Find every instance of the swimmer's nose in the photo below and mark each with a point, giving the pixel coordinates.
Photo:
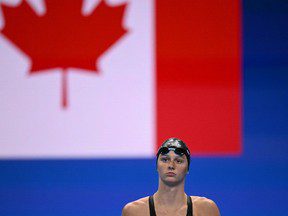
(171, 165)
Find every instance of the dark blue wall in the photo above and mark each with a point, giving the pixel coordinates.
(255, 183)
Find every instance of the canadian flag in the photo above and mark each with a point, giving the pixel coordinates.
(115, 78)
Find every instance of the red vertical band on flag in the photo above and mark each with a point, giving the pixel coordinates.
(198, 64)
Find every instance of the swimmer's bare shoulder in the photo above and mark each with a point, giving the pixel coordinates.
(139, 207)
(203, 206)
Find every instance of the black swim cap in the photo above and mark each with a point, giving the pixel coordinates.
(176, 145)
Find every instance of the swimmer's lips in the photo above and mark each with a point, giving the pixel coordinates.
(170, 174)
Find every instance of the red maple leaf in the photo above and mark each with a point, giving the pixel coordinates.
(63, 37)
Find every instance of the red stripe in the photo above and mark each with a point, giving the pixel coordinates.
(198, 63)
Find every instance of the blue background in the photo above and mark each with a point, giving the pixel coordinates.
(254, 183)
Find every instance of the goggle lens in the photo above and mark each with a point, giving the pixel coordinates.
(178, 151)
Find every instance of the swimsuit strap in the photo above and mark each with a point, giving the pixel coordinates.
(151, 206)
(189, 206)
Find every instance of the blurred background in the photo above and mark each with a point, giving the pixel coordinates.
(80, 138)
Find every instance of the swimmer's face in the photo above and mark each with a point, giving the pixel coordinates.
(172, 168)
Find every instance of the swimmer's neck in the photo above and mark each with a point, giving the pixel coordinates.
(170, 196)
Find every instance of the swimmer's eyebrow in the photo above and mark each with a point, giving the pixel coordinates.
(176, 157)
(179, 156)
(164, 155)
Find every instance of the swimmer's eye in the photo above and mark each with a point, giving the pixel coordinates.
(163, 159)
(179, 161)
